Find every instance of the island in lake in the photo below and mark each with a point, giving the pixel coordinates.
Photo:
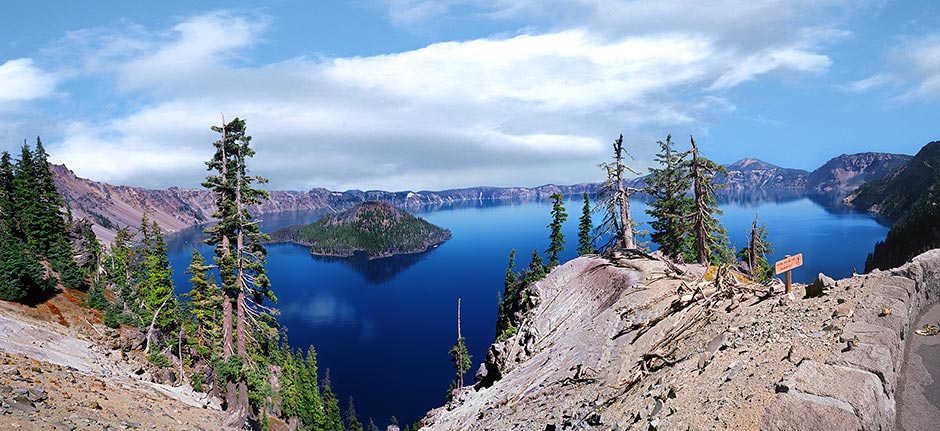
(376, 229)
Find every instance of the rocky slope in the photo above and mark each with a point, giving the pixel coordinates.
(628, 344)
(754, 174)
(61, 369)
(842, 174)
(894, 194)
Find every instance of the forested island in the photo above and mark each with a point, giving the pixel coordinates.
(376, 229)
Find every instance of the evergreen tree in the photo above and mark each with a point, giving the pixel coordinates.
(331, 406)
(206, 301)
(556, 237)
(759, 247)
(240, 257)
(504, 326)
(585, 243)
(7, 194)
(459, 356)
(351, 419)
(711, 238)
(21, 273)
(373, 426)
(671, 208)
(156, 278)
(312, 412)
(535, 271)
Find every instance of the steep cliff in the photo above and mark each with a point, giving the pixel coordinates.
(627, 344)
(844, 173)
(754, 174)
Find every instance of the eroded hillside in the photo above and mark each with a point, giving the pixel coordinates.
(630, 344)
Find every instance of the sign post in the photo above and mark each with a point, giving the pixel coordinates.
(786, 265)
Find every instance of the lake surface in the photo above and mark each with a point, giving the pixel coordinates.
(384, 327)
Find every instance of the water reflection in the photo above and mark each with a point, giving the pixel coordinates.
(376, 271)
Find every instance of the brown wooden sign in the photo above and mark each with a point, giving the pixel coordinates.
(788, 263)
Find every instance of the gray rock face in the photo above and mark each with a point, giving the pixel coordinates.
(856, 387)
(819, 287)
(164, 376)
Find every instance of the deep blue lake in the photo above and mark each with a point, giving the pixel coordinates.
(384, 327)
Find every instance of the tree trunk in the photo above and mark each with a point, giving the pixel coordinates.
(701, 231)
(153, 323)
(623, 200)
(752, 248)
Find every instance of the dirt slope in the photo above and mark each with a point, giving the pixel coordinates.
(53, 376)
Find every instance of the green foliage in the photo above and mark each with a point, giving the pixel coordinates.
(506, 302)
(585, 242)
(33, 226)
(198, 379)
(96, 298)
(917, 231)
(535, 271)
(712, 245)
(113, 317)
(556, 238)
(21, 273)
(506, 333)
(331, 406)
(762, 270)
(462, 362)
(159, 360)
(670, 207)
(351, 418)
(374, 228)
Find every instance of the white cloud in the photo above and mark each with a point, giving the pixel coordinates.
(21, 81)
(916, 62)
(864, 85)
(525, 109)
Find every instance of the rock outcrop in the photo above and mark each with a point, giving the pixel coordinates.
(625, 344)
(844, 173)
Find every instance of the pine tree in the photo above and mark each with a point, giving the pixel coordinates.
(671, 208)
(535, 271)
(711, 238)
(556, 237)
(351, 419)
(617, 223)
(459, 356)
(507, 301)
(240, 257)
(21, 273)
(311, 405)
(759, 247)
(585, 243)
(331, 406)
(205, 300)
(373, 426)
(7, 194)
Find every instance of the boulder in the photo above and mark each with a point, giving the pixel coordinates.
(164, 376)
(819, 287)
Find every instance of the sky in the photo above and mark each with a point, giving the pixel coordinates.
(437, 94)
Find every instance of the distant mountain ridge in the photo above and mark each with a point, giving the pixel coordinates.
(909, 195)
(112, 207)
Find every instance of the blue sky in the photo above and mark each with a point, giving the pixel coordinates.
(433, 94)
